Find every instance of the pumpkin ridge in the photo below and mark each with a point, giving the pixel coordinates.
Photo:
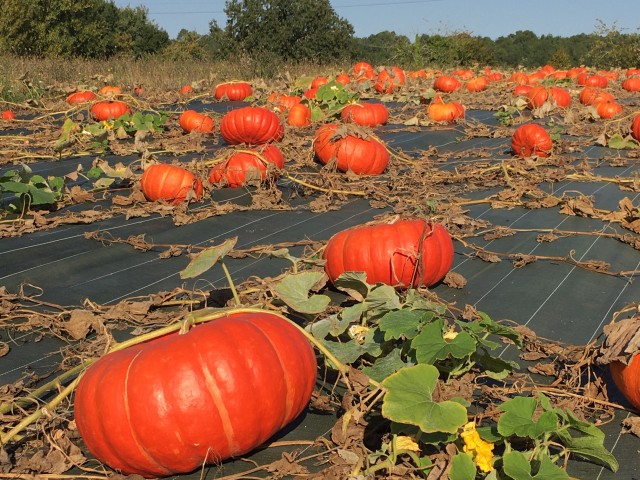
(143, 451)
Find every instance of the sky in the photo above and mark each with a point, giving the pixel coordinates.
(487, 18)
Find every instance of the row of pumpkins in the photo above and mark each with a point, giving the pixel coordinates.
(174, 403)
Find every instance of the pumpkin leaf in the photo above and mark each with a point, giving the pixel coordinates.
(401, 324)
(430, 344)
(385, 366)
(294, 291)
(462, 467)
(409, 399)
(207, 258)
(353, 284)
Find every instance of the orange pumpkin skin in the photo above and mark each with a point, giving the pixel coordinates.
(251, 125)
(172, 404)
(192, 121)
(363, 70)
(365, 114)
(632, 84)
(8, 115)
(186, 90)
(233, 91)
(537, 96)
(478, 84)
(531, 139)
(317, 82)
(635, 127)
(560, 96)
(243, 167)
(446, 84)
(110, 90)
(627, 379)
(389, 79)
(404, 254)
(608, 110)
(82, 96)
(299, 115)
(522, 90)
(593, 95)
(109, 109)
(343, 79)
(440, 111)
(362, 156)
(169, 182)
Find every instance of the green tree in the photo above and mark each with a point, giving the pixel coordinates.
(384, 48)
(612, 48)
(289, 29)
(68, 28)
(188, 45)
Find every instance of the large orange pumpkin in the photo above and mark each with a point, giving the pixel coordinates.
(109, 109)
(299, 115)
(440, 111)
(389, 79)
(635, 127)
(531, 139)
(632, 84)
(608, 110)
(247, 166)
(351, 148)
(251, 125)
(192, 121)
(406, 253)
(82, 96)
(170, 405)
(365, 114)
(627, 379)
(446, 83)
(169, 182)
(233, 91)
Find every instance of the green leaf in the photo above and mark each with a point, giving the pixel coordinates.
(431, 346)
(385, 366)
(516, 466)
(618, 141)
(350, 351)
(550, 471)
(462, 467)
(383, 297)
(517, 418)
(353, 284)
(409, 399)
(495, 367)
(294, 290)
(207, 258)
(40, 196)
(400, 324)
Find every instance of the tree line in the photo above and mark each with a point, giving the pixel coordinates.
(276, 31)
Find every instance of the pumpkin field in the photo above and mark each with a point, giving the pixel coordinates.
(358, 273)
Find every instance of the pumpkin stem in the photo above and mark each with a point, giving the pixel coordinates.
(232, 286)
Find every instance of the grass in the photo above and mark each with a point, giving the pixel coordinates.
(22, 78)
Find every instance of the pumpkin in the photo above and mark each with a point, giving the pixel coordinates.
(630, 72)
(233, 91)
(446, 84)
(299, 115)
(522, 90)
(351, 148)
(281, 102)
(389, 79)
(365, 114)
(440, 111)
(560, 96)
(245, 167)
(635, 127)
(8, 115)
(319, 81)
(192, 121)
(593, 95)
(310, 92)
(593, 81)
(251, 125)
(363, 70)
(186, 90)
(82, 96)
(170, 183)
(531, 139)
(537, 96)
(343, 79)
(172, 404)
(632, 84)
(109, 109)
(463, 73)
(608, 110)
(110, 91)
(478, 84)
(406, 253)
(627, 379)
(519, 78)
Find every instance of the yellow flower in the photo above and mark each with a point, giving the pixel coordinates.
(358, 333)
(481, 451)
(406, 443)
(450, 334)
(107, 125)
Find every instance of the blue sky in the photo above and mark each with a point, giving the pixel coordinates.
(491, 18)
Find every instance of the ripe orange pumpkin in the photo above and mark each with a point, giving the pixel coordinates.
(233, 91)
(635, 127)
(109, 109)
(82, 96)
(363, 70)
(172, 404)
(440, 111)
(404, 254)
(627, 379)
(593, 95)
(8, 115)
(170, 183)
(366, 114)
(608, 110)
(245, 167)
(477, 84)
(299, 115)
(560, 96)
(319, 81)
(389, 79)
(519, 78)
(522, 90)
(343, 79)
(537, 96)
(186, 90)
(251, 125)
(110, 91)
(352, 149)
(192, 121)
(632, 84)
(531, 139)
(446, 84)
